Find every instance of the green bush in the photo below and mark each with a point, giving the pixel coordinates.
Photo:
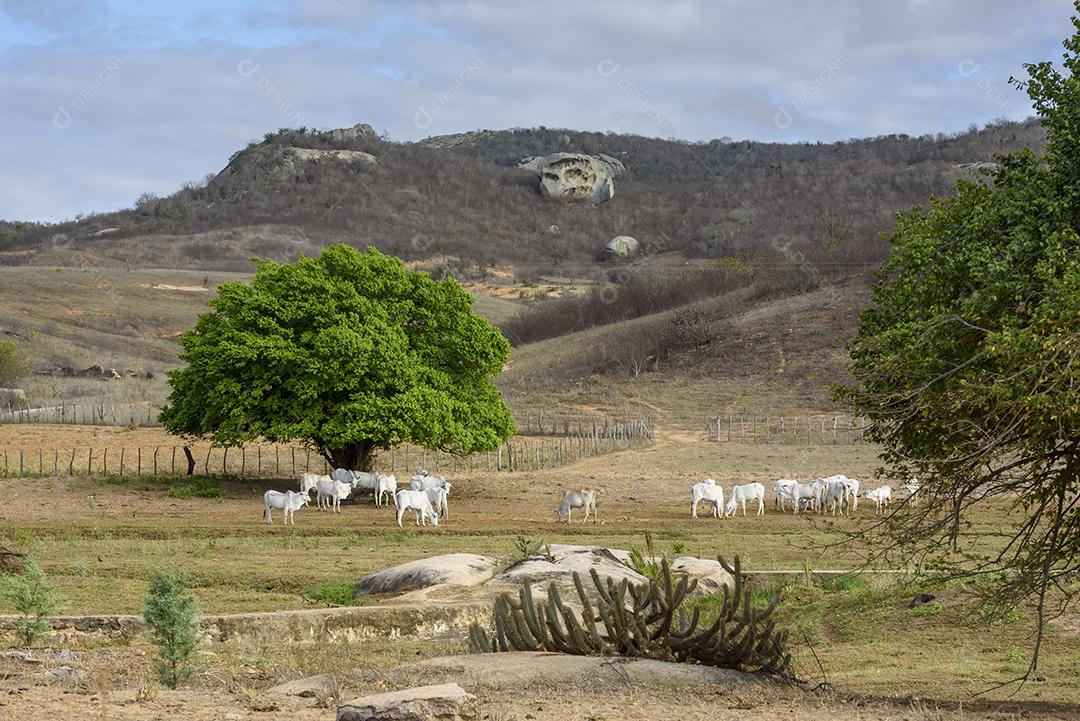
(13, 365)
(173, 617)
(334, 593)
(33, 598)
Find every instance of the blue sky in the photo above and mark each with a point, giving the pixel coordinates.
(105, 99)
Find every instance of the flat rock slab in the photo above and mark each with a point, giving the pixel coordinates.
(321, 686)
(520, 669)
(444, 702)
(454, 569)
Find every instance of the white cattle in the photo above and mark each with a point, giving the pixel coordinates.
(782, 492)
(364, 480)
(806, 494)
(882, 497)
(438, 497)
(288, 503)
(709, 492)
(582, 498)
(741, 494)
(330, 493)
(912, 488)
(852, 495)
(308, 481)
(386, 485)
(833, 494)
(424, 482)
(418, 502)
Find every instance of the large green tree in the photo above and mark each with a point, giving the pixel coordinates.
(968, 366)
(350, 352)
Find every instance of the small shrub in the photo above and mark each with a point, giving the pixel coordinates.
(173, 617)
(33, 598)
(647, 563)
(334, 593)
(526, 547)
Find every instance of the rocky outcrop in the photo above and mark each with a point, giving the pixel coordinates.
(360, 131)
(322, 686)
(564, 561)
(445, 702)
(452, 569)
(260, 164)
(575, 176)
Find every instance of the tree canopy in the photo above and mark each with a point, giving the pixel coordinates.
(349, 351)
(968, 364)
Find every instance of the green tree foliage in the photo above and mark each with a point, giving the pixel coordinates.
(349, 351)
(968, 364)
(13, 365)
(33, 598)
(173, 617)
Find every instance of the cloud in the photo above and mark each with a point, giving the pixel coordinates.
(103, 102)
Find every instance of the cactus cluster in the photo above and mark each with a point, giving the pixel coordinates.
(644, 621)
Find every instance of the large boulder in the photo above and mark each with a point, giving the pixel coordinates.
(621, 246)
(322, 686)
(445, 702)
(560, 568)
(576, 176)
(710, 575)
(452, 569)
(360, 131)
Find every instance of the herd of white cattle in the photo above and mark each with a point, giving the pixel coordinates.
(427, 496)
(838, 494)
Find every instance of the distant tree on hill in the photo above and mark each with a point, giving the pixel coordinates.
(968, 366)
(350, 352)
(13, 365)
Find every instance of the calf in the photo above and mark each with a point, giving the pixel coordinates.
(709, 492)
(288, 502)
(882, 497)
(419, 502)
(583, 498)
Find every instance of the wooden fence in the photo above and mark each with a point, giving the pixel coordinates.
(263, 460)
(809, 430)
(84, 414)
(532, 422)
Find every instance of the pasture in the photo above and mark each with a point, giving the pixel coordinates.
(98, 538)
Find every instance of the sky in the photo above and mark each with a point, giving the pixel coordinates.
(103, 100)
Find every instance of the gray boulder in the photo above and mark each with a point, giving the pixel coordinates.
(445, 702)
(455, 569)
(710, 575)
(621, 246)
(360, 131)
(575, 176)
(322, 686)
(565, 560)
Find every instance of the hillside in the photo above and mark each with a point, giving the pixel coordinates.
(462, 198)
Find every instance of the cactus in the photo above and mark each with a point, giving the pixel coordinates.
(644, 621)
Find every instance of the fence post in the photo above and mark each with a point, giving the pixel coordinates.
(105, 461)
(121, 460)
(90, 461)
(20, 462)
(138, 466)
(156, 449)
(172, 470)
(71, 464)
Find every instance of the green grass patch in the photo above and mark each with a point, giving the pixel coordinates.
(197, 487)
(334, 593)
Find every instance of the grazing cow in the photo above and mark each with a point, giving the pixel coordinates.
(709, 492)
(364, 480)
(424, 481)
(308, 481)
(852, 495)
(331, 493)
(386, 485)
(882, 497)
(419, 502)
(288, 503)
(834, 493)
(583, 498)
(741, 494)
(805, 495)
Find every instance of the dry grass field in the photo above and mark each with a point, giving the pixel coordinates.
(99, 541)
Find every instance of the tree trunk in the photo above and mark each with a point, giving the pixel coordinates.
(190, 461)
(354, 456)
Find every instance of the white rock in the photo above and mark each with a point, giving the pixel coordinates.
(457, 569)
(445, 702)
(321, 686)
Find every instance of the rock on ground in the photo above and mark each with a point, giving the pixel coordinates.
(566, 560)
(321, 686)
(710, 575)
(455, 569)
(445, 702)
